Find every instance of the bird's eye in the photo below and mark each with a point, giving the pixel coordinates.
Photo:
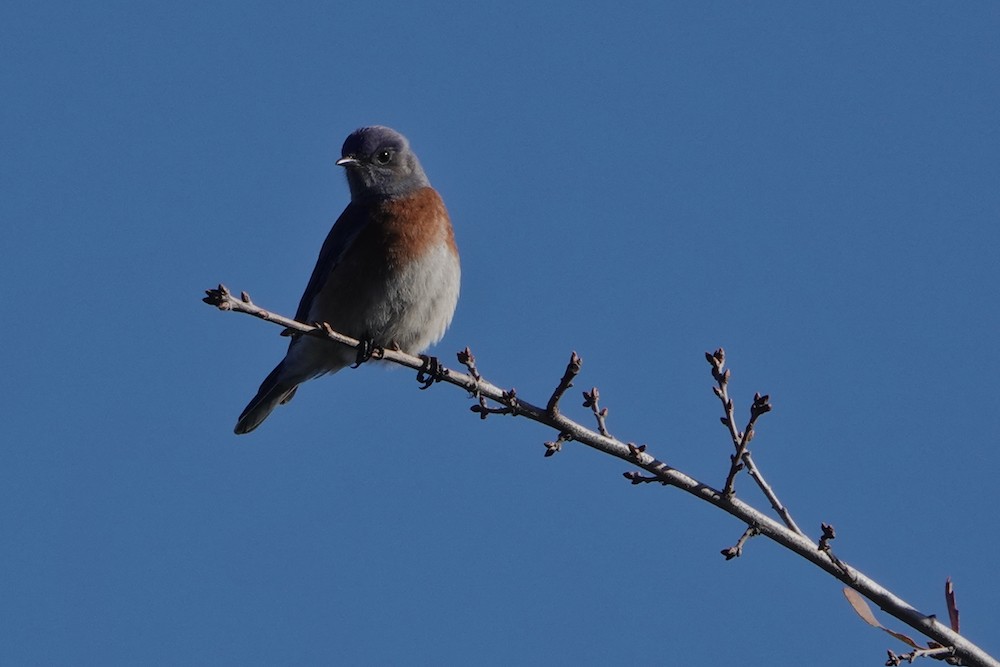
(383, 157)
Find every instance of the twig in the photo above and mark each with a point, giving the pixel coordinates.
(508, 399)
(590, 400)
(736, 550)
(828, 534)
(742, 457)
(556, 446)
(662, 472)
(824, 546)
(467, 359)
(938, 653)
(572, 370)
(639, 478)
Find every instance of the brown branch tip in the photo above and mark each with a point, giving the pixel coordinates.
(218, 297)
(736, 550)
(828, 534)
(591, 399)
(556, 446)
(639, 478)
(572, 370)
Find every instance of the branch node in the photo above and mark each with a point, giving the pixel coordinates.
(761, 405)
(639, 478)
(824, 545)
(829, 533)
(636, 450)
(218, 297)
(556, 446)
(510, 397)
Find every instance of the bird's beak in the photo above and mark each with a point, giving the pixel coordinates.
(347, 162)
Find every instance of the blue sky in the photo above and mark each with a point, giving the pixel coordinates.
(813, 187)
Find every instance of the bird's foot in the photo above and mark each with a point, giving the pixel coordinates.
(432, 371)
(366, 350)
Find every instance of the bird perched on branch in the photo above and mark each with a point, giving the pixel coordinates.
(388, 273)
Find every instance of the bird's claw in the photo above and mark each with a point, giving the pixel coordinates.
(432, 371)
(366, 350)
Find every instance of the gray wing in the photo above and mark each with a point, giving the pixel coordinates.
(340, 238)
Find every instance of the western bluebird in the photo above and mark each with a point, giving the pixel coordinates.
(388, 272)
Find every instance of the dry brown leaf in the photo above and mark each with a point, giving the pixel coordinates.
(862, 609)
(949, 597)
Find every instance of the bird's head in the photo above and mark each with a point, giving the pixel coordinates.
(380, 164)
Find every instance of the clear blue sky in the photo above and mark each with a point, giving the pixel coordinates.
(813, 187)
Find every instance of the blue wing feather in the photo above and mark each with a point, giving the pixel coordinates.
(340, 238)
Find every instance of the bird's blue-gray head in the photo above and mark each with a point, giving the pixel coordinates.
(380, 164)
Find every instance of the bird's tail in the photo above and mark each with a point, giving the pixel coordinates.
(275, 390)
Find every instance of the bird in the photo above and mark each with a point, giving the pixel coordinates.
(388, 273)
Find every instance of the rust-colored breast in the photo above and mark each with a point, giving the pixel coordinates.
(397, 232)
(410, 226)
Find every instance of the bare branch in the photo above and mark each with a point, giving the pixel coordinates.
(792, 539)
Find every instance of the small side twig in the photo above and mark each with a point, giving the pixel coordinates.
(636, 450)
(639, 478)
(467, 359)
(742, 457)
(509, 398)
(824, 545)
(736, 550)
(572, 370)
(556, 445)
(509, 401)
(761, 405)
(936, 652)
(829, 533)
(590, 400)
